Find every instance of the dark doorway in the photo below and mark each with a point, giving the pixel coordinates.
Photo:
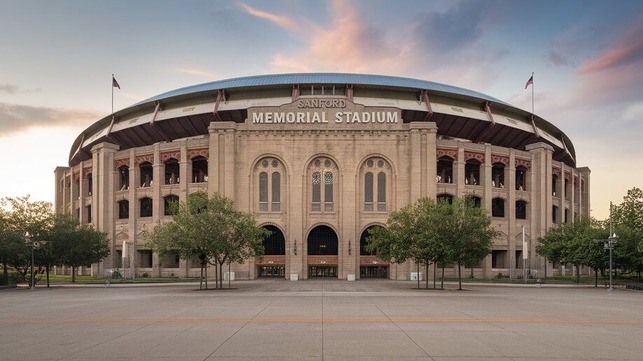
(322, 241)
(373, 271)
(322, 271)
(272, 271)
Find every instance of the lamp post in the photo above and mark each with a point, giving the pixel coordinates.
(609, 244)
(31, 244)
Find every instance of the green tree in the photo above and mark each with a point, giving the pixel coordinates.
(435, 232)
(627, 219)
(466, 231)
(18, 216)
(75, 244)
(211, 230)
(579, 243)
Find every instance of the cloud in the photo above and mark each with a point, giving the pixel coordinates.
(634, 113)
(626, 51)
(16, 117)
(196, 71)
(348, 43)
(9, 89)
(282, 21)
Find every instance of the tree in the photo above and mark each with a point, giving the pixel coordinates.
(627, 219)
(71, 243)
(211, 230)
(579, 243)
(435, 232)
(467, 232)
(17, 217)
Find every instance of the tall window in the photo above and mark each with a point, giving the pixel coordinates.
(521, 210)
(322, 172)
(444, 197)
(199, 169)
(123, 177)
(172, 171)
(375, 178)
(521, 178)
(554, 185)
(123, 209)
(445, 170)
(147, 175)
(269, 170)
(472, 172)
(146, 207)
(90, 184)
(498, 175)
(497, 207)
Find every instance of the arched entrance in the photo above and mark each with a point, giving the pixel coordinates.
(273, 263)
(370, 266)
(322, 252)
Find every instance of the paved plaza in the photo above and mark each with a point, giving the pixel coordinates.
(321, 320)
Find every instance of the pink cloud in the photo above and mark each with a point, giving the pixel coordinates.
(282, 21)
(626, 51)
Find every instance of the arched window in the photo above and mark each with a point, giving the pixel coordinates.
(498, 175)
(375, 189)
(363, 241)
(322, 172)
(322, 241)
(521, 209)
(199, 169)
(275, 243)
(445, 170)
(521, 178)
(147, 175)
(474, 201)
(472, 172)
(444, 197)
(123, 209)
(172, 171)
(123, 177)
(554, 185)
(269, 175)
(497, 207)
(146, 207)
(170, 205)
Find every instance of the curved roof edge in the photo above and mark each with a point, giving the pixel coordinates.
(320, 78)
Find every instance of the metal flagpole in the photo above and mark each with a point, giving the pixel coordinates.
(112, 83)
(532, 94)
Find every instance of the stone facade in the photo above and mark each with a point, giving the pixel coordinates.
(321, 172)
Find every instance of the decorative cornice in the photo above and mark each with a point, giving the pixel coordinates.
(451, 153)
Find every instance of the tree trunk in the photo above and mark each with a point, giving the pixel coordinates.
(459, 276)
(577, 274)
(73, 274)
(201, 280)
(442, 279)
(221, 273)
(5, 272)
(206, 274)
(596, 277)
(435, 274)
(47, 270)
(426, 275)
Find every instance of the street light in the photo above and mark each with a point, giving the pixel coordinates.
(28, 240)
(609, 244)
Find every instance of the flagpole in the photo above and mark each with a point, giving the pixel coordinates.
(532, 94)
(112, 86)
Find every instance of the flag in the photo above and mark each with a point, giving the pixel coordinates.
(115, 83)
(529, 82)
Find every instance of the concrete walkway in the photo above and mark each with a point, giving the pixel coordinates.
(320, 320)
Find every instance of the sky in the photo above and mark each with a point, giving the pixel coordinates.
(57, 59)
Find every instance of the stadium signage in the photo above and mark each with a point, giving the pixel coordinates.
(323, 111)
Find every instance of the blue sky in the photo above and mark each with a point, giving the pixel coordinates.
(58, 56)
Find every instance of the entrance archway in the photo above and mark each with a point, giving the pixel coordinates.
(322, 252)
(273, 263)
(370, 266)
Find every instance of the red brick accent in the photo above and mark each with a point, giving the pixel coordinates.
(318, 260)
(451, 153)
(198, 152)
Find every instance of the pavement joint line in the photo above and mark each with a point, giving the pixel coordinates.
(322, 321)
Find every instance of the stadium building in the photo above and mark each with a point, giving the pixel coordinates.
(319, 159)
